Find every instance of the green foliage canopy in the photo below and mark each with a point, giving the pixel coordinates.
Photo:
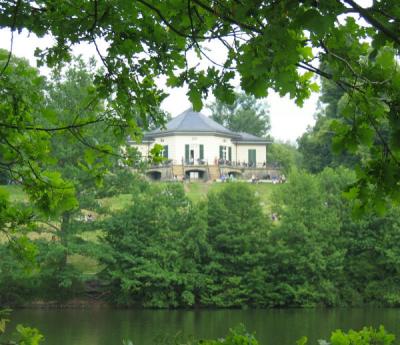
(185, 255)
(237, 231)
(162, 251)
(142, 264)
(245, 114)
(285, 155)
(25, 150)
(268, 45)
(320, 254)
(316, 143)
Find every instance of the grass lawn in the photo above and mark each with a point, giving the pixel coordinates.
(92, 236)
(264, 191)
(197, 191)
(117, 203)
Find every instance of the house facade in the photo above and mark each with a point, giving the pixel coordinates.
(197, 147)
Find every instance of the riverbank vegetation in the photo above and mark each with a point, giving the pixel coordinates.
(235, 336)
(239, 336)
(297, 245)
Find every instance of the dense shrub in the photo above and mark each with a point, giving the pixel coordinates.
(319, 253)
(54, 278)
(165, 252)
(15, 278)
(142, 264)
(237, 234)
(239, 336)
(45, 278)
(122, 181)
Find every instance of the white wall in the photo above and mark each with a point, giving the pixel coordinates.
(243, 152)
(143, 149)
(176, 148)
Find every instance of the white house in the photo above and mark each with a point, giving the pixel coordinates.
(197, 146)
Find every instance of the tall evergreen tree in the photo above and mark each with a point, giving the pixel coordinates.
(237, 230)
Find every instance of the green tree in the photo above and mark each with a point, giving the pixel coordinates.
(318, 253)
(25, 157)
(195, 253)
(58, 139)
(316, 144)
(285, 155)
(237, 230)
(245, 114)
(24, 149)
(81, 155)
(142, 259)
(303, 258)
(164, 252)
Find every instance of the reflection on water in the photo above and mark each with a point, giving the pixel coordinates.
(272, 327)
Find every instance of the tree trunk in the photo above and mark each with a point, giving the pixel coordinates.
(65, 223)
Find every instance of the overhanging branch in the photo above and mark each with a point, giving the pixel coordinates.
(54, 129)
(373, 21)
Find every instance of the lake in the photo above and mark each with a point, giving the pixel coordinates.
(272, 327)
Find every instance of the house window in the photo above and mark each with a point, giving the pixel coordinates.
(165, 151)
(201, 151)
(252, 158)
(222, 153)
(194, 154)
(225, 154)
(191, 153)
(187, 153)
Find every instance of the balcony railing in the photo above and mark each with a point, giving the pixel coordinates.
(194, 162)
(226, 163)
(220, 162)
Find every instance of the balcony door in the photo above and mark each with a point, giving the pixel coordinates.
(194, 154)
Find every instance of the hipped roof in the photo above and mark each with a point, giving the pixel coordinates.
(192, 122)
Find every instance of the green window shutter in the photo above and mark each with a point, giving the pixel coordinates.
(187, 153)
(201, 151)
(165, 151)
(221, 153)
(252, 157)
(230, 154)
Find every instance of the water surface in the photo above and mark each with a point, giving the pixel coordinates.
(272, 327)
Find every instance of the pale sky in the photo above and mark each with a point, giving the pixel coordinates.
(288, 121)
